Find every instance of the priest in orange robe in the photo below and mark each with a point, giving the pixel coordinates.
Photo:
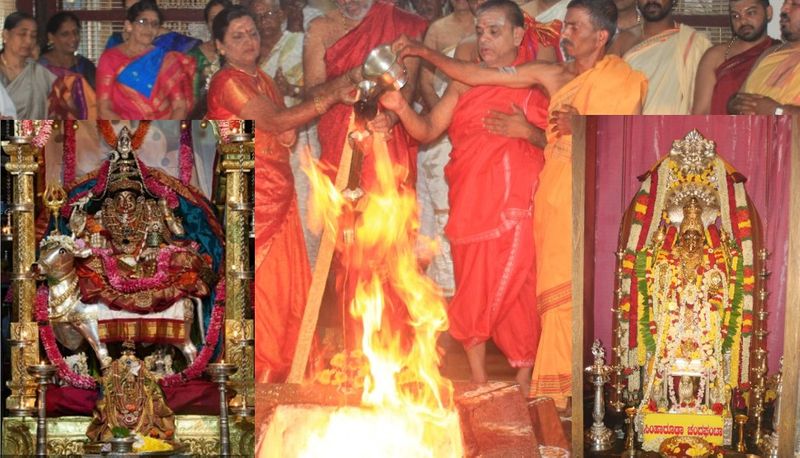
(492, 179)
(592, 84)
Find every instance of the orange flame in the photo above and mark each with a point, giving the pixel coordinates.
(405, 395)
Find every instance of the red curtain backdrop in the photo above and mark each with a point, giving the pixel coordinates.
(759, 147)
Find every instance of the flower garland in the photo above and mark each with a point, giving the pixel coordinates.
(194, 370)
(729, 317)
(51, 349)
(152, 184)
(127, 285)
(186, 156)
(742, 229)
(42, 136)
(110, 137)
(69, 152)
(155, 186)
(197, 367)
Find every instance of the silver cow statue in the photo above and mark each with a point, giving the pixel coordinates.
(71, 318)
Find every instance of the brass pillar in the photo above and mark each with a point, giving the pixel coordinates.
(238, 165)
(24, 339)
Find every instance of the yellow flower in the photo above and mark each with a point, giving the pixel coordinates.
(338, 378)
(338, 360)
(324, 377)
(151, 444)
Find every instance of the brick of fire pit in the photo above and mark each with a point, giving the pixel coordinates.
(495, 421)
(547, 424)
(270, 395)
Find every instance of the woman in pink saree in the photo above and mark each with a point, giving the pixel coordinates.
(137, 80)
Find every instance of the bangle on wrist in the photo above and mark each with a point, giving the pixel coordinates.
(319, 105)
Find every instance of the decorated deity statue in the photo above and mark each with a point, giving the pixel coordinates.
(141, 266)
(688, 297)
(131, 220)
(131, 398)
(685, 293)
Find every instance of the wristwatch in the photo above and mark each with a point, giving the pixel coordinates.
(778, 110)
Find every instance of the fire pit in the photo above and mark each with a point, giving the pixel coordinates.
(492, 421)
(406, 407)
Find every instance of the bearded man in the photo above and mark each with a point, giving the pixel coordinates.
(724, 67)
(773, 86)
(668, 53)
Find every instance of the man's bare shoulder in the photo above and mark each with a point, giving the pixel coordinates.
(442, 24)
(323, 24)
(437, 29)
(715, 55)
(545, 71)
(467, 49)
(624, 41)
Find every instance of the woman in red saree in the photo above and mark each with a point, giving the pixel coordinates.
(240, 90)
(137, 80)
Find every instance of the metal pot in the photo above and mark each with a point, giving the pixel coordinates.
(367, 89)
(122, 445)
(383, 67)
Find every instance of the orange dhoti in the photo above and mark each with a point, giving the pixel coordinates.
(553, 223)
(610, 87)
(492, 179)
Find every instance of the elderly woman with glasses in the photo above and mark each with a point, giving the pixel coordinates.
(165, 38)
(138, 80)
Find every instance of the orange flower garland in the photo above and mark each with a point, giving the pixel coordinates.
(107, 131)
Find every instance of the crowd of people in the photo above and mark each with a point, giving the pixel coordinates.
(150, 72)
(482, 128)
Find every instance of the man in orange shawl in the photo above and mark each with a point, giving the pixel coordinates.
(492, 178)
(336, 46)
(592, 84)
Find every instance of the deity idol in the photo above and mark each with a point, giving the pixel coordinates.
(688, 291)
(142, 267)
(685, 291)
(131, 399)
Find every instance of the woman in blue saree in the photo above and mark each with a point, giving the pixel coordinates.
(138, 80)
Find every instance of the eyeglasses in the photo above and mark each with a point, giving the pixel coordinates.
(145, 23)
